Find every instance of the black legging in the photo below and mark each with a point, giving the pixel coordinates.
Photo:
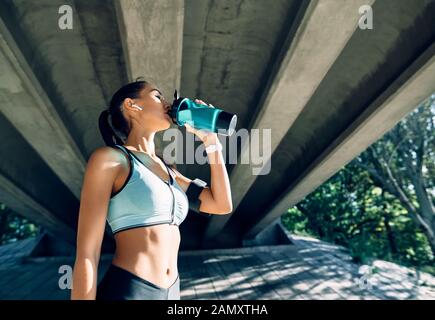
(120, 284)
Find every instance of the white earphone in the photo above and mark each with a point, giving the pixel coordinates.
(137, 107)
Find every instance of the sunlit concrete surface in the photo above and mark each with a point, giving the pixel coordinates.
(307, 269)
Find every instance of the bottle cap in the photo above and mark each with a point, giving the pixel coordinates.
(226, 121)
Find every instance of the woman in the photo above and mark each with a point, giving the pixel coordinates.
(143, 200)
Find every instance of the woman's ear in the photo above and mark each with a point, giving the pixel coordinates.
(129, 103)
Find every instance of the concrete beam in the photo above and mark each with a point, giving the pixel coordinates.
(21, 202)
(26, 105)
(152, 37)
(295, 80)
(414, 85)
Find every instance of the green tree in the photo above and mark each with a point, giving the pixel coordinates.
(402, 164)
(380, 205)
(14, 227)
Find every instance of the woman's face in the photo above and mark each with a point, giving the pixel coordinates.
(154, 109)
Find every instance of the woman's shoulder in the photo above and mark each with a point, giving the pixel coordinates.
(107, 155)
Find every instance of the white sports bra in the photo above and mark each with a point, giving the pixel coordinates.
(145, 199)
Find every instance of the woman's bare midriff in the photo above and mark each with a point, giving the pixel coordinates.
(149, 252)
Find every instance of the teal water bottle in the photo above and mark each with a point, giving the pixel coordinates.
(202, 117)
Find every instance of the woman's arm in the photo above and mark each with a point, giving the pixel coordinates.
(101, 171)
(209, 203)
(215, 199)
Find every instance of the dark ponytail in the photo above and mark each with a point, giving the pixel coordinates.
(116, 129)
(109, 136)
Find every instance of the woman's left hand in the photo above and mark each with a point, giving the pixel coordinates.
(207, 137)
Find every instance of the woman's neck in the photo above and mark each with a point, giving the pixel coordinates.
(142, 141)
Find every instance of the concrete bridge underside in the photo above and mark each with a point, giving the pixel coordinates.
(304, 69)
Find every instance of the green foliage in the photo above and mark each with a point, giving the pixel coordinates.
(14, 227)
(349, 210)
(358, 210)
(297, 222)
